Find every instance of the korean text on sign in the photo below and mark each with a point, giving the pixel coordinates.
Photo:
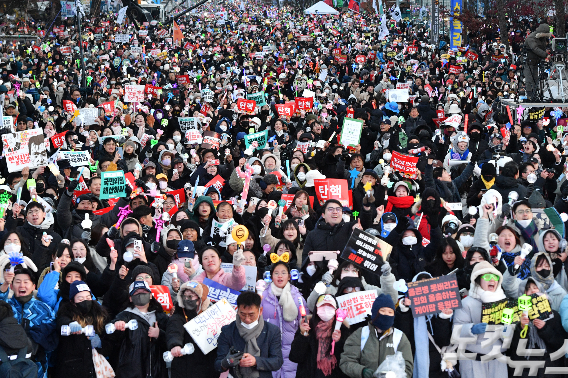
(332, 189)
(366, 251)
(358, 305)
(434, 295)
(112, 185)
(205, 328)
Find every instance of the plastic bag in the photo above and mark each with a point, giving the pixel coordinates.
(393, 366)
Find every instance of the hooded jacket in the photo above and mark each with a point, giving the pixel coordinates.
(194, 216)
(536, 44)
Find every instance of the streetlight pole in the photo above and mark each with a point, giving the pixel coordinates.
(79, 11)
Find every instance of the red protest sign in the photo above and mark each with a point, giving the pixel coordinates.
(371, 56)
(182, 79)
(341, 59)
(290, 197)
(103, 210)
(162, 295)
(79, 193)
(440, 113)
(455, 69)
(218, 182)
(471, 55)
(247, 106)
(284, 110)
(360, 59)
(150, 89)
(412, 49)
(337, 51)
(188, 46)
(58, 139)
(66, 50)
(332, 189)
(130, 180)
(404, 164)
(304, 103)
(433, 295)
(69, 106)
(179, 196)
(438, 121)
(108, 107)
(205, 108)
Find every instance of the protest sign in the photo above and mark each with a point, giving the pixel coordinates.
(303, 146)
(88, 116)
(332, 189)
(162, 295)
(182, 79)
(152, 90)
(535, 114)
(360, 59)
(66, 50)
(404, 164)
(211, 139)
(260, 137)
(179, 196)
(247, 106)
(250, 273)
(455, 69)
(432, 295)
(218, 292)
(7, 122)
(290, 197)
(193, 137)
(205, 328)
(258, 98)
(76, 158)
(112, 185)
(304, 103)
(188, 123)
(108, 107)
(366, 251)
(341, 59)
(218, 182)
(134, 93)
(69, 106)
(58, 139)
(24, 149)
(284, 110)
(351, 132)
(398, 95)
(491, 313)
(357, 304)
(122, 38)
(471, 55)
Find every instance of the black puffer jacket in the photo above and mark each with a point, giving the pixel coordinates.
(41, 255)
(505, 185)
(327, 238)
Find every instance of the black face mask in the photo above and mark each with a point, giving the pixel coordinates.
(475, 137)
(412, 146)
(172, 244)
(544, 273)
(40, 187)
(190, 304)
(141, 299)
(84, 307)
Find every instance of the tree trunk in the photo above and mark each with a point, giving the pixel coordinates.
(560, 30)
(503, 23)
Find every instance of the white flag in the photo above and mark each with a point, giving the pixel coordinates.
(395, 14)
(384, 29)
(121, 15)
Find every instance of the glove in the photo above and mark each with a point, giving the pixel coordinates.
(75, 327)
(112, 233)
(238, 257)
(72, 186)
(95, 341)
(127, 190)
(232, 359)
(433, 219)
(261, 261)
(368, 200)
(155, 247)
(327, 278)
(141, 184)
(479, 328)
(367, 373)
(386, 269)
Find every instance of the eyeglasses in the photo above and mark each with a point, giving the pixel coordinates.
(490, 276)
(34, 211)
(143, 278)
(351, 289)
(521, 212)
(335, 209)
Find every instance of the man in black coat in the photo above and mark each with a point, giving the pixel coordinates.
(506, 181)
(426, 112)
(235, 354)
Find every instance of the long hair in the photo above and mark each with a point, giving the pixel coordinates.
(23, 242)
(97, 317)
(438, 266)
(89, 263)
(286, 225)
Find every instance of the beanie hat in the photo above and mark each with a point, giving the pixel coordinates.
(74, 266)
(401, 183)
(186, 223)
(488, 169)
(382, 300)
(142, 269)
(76, 288)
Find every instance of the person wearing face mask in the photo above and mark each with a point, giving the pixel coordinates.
(311, 348)
(541, 272)
(130, 156)
(249, 346)
(187, 266)
(191, 301)
(482, 184)
(551, 242)
(476, 140)
(140, 351)
(300, 172)
(237, 184)
(378, 340)
(75, 352)
(165, 160)
(465, 237)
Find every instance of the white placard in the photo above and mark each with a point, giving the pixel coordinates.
(357, 304)
(134, 93)
(205, 328)
(455, 206)
(88, 115)
(122, 38)
(76, 158)
(398, 95)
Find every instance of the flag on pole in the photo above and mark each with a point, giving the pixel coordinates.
(178, 35)
(354, 5)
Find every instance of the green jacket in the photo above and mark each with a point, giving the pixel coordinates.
(194, 215)
(376, 349)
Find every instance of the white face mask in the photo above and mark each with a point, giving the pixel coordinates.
(80, 260)
(251, 325)
(171, 146)
(177, 138)
(466, 240)
(409, 240)
(389, 226)
(301, 176)
(151, 185)
(280, 132)
(9, 248)
(256, 169)
(223, 127)
(387, 157)
(346, 218)
(311, 269)
(293, 166)
(163, 185)
(524, 222)
(326, 313)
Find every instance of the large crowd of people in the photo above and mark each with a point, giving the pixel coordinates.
(124, 194)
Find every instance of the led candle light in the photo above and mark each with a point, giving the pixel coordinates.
(131, 325)
(340, 316)
(187, 349)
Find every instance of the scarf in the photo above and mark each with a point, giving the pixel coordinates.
(289, 309)
(488, 184)
(475, 291)
(399, 202)
(528, 233)
(455, 155)
(251, 346)
(326, 362)
(422, 354)
(535, 342)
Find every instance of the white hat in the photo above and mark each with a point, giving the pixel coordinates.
(229, 240)
(255, 120)
(454, 109)
(451, 218)
(313, 175)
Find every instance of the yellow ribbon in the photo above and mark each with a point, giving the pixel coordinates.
(285, 257)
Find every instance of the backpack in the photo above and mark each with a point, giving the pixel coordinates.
(397, 336)
(19, 367)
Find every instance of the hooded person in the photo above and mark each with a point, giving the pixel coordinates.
(203, 211)
(300, 173)
(272, 164)
(485, 287)
(459, 153)
(367, 347)
(428, 203)
(551, 241)
(434, 330)
(541, 272)
(139, 351)
(535, 45)
(56, 285)
(187, 265)
(482, 184)
(191, 301)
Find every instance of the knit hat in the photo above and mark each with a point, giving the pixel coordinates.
(536, 200)
(74, 266)
(488, 169)
(186, 223)
(201, 290)
(382, 300)
(269, 179)
(142, 269)
(370, 172)
(401, 183)
(76, 288)
(464, 228)
(311, 117)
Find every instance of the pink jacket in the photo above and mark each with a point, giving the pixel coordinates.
(235, 280)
